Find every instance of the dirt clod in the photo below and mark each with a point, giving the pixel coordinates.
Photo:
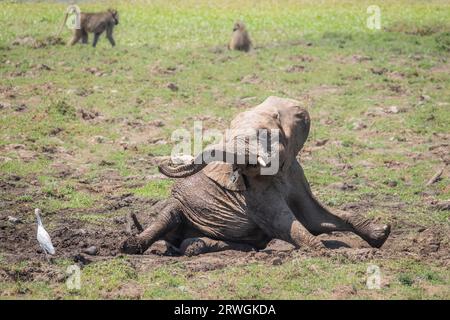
(92, 250)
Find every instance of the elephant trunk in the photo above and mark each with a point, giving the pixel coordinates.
(214, 153)
(181, 171)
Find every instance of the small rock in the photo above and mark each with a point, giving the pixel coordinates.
(94, 71)
(163, 248)
(44, 67)
(260, 255)
(92, 250)
(295, 68)
(277, 262)
(342, 186)
(441, 205)
(322, 142)
(182, 288)
(251, 79)
(157, 123)
(391, 183)
(81, 232)
(392, 109)
(359, 126)
(55, 131)
(16, 146)
(21, 107)
(81, 259)
(24, 41)
(360, 58)
(106, 163)
(5, 159)
(119, 220)
(278, 245)
(375, 112)
(14, 220)
(172, 86)
(248, 99)
(98, 139)
(378, 71)
(89, 115)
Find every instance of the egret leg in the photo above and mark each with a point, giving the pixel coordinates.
(46, 255)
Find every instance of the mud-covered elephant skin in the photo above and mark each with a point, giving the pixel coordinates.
(222, 205)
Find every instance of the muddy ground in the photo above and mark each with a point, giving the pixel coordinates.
(71, 239)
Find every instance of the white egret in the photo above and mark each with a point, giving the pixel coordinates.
(42, 236)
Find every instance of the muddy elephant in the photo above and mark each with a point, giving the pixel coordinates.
(219, 202)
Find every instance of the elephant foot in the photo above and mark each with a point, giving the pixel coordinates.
(195, 246)
(378, 235)
(131, 245)
(300, 236)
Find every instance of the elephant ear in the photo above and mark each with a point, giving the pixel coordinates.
(223, 174)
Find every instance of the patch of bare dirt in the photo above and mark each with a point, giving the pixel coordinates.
(415, 29)
(323, 90)
(295, 68)
(157, 69)
(251, 79)
(37, 43)
(356, 58)
(131, 290)
(301, 58)
(35, 271)
(20, 151)
(441, 68)
(344, 292)
(138, 132)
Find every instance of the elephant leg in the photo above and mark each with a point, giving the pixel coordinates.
(196, 246)
(319, 219)
(170, 217)
(276, 219)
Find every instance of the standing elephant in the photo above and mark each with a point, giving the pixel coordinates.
(218, 205)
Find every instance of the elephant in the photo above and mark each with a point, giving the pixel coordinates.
(229, 204)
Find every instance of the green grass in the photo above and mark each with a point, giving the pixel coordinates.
(184, 42)
(300, 278)
(158, 189)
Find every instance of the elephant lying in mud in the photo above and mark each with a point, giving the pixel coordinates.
(218, 205)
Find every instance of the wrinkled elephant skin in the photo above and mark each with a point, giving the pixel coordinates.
(222, 205)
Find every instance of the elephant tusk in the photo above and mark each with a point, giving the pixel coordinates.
(262, 162)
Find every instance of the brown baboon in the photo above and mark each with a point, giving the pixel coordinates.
(95, 23)
(240, 39)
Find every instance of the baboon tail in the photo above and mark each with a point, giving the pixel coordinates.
(62, 25)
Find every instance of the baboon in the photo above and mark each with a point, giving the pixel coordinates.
(240, 39)
(95, 23)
